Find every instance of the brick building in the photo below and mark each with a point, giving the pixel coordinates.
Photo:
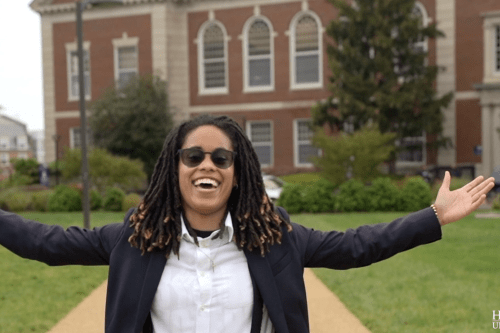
(264, 63)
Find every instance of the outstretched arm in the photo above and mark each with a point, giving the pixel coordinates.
(452, 206)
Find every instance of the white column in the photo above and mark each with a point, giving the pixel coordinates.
(486, 140)
(445, 57)
(49, 98)
(159, 40)
(495, 136)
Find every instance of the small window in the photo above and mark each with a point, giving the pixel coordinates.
(412, 150)
(73, 89)
(22, 156)
(4, 158)
(258, 56)
(213, 59)
(261, 136)
(126, 65)
(75, 138)
(306, 52)
(304, 149)
(4, 143)
(22, 142)
(420, 45)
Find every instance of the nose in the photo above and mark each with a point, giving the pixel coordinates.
(207, 162)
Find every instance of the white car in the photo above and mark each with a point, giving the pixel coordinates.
(273, 186)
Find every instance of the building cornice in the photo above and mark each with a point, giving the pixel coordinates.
(487, 86)
(491, 14)
(46, 7)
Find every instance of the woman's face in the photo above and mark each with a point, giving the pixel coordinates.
(205, 189)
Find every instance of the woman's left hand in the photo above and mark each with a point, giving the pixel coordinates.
(452, 206)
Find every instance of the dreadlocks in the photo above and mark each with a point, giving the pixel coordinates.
(157, 220)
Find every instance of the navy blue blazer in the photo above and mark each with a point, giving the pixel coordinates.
(277, 278)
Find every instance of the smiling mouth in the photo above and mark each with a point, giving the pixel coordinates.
(206, 183)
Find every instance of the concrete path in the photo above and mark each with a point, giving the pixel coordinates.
(326, 313)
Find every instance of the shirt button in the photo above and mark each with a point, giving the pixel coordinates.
(202, 274)
(202, 308)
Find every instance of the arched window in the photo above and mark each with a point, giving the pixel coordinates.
(258, 55)
(212, 58)
(306, 51)
(420, 12)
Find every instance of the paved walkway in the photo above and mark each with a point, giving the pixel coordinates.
(327, 313)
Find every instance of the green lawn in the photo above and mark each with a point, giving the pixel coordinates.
(34, 296)
(449, 286)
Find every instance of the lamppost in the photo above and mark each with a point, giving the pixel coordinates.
(80, 6)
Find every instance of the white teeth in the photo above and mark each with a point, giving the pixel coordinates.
(206, 181)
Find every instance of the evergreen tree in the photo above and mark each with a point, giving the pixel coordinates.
(380, 72)
(133, 121)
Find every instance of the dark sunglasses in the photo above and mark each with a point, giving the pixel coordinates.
(221, 158)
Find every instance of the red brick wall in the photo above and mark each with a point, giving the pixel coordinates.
(100, 34)
(62, 128)
(282, 133)
(468, 118)
(233, 20)
(469, 41)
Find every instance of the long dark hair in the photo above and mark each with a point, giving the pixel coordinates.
(157, 221)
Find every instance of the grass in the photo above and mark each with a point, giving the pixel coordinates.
(447, 286)
(34, 296)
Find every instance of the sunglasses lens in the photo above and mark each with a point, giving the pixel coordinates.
(222, 158)
(192, 157)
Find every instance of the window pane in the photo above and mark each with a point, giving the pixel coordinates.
(306, 151)
(305, 132)
(307, 68)
(127, 57)
(74, 85)
(306, 34)
(259, 72)
(260, 132)
(124, 78)
(497, 47)
(259, 42)
(213, 42)
(215, 75)
(412, 151)
(264, 154)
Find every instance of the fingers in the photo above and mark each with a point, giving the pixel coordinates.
(483, 187)
(475, 204)
(473, 183)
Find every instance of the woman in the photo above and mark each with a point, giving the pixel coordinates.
(237, 263)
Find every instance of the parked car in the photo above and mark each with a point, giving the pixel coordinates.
(273, 186)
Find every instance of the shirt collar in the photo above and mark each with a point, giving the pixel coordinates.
(228, 230)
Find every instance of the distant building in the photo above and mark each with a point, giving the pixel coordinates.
(264, 63)
(15, 142)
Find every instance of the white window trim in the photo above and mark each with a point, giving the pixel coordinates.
(124, 41)
(491, 21)
(24, 145)
(291, 36)
(72, 137)
(5, 158)
(249, 134)
(296, 143)
(272, 34)
(404, 164)
(4, 140)
(425, 23)
(73, 47)
(22, 155)
(201, 65)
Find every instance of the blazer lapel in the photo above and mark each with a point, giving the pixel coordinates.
(262, 275)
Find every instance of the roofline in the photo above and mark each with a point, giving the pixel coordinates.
(15, 120)
(46, 7)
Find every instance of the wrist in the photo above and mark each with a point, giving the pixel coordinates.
(439, 218)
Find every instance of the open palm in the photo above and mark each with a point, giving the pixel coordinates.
(452, 206)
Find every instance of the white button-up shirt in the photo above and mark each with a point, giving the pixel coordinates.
(195, 297)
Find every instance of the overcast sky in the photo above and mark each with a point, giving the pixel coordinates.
(21, 91)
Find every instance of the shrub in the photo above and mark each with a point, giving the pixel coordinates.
(496, 202)
(291, 198)
(351, 197)
(18, 201)
(65, 199)
(415, 195)
(318, 197)
(41, 200)
(382, 195)
(96, 200)
(113, 199)
(132, 200)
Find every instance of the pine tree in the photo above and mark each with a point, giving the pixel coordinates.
(379, 72)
